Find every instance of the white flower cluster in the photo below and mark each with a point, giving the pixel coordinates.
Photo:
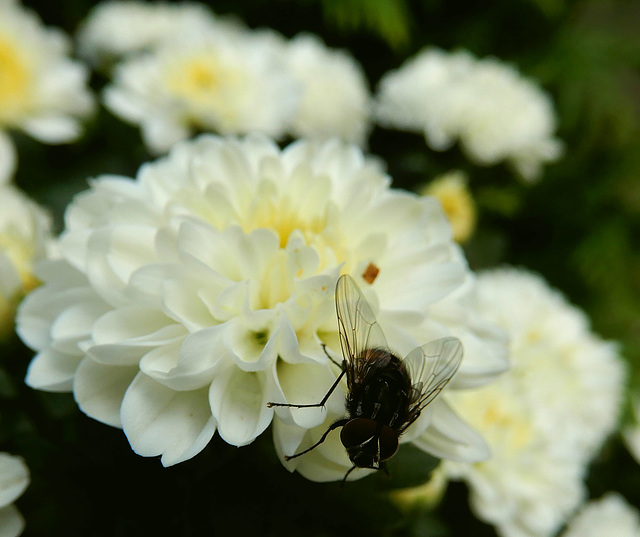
(14, 479)
(42, 91)
(545, 418)
(493, 111)
(185, 70)
(188, 298)
(610, 515)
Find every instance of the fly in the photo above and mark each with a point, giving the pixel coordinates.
(385, 394)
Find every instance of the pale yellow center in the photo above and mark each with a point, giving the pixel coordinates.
(208, 88)
(282, 216)
(15, 83)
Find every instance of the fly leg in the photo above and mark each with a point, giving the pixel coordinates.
(334, 425)
(321, 403)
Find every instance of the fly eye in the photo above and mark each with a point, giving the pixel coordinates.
(357, 432)
(388, 443)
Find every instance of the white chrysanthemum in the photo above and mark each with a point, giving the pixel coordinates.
(42, 91)
(495, 113)
(335, 96)
(187, 299)
(544, 419)
(25, 232)
(610, 515)
(221, 82)
(114, 29)
(14, 479)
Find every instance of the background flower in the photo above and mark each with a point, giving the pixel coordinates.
(544, 419)
(457, 202)
(495, 113)
(610, 515)
(115, 29)
(213, 80)
(43, 91)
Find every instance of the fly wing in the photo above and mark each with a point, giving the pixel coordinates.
(431, 367)
(357, 324)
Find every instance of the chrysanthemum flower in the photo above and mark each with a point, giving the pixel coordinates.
(631, 432)
(544, 419)
(495, 113)
(452, 191)
(25, 233)
(188, 298)
(14, 479)
(610, 515)
(117, 28)
(42, 91)
(335, 96)
(225, 82)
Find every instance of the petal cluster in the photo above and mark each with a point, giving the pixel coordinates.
(545, 418)
(189, 297)
(495, 113)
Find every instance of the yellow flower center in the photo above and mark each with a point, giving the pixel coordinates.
(15, 83)
(207, 88)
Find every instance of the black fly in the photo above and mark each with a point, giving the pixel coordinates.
(385, 394)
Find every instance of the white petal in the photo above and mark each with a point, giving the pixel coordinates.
(14, 478)
(239, 402)
(11, 521)
(124, 335)
(188, 364)
(99, 389)
(160, 421)
(52, 371)
(449, 437)
(52, 129)
(304, 384)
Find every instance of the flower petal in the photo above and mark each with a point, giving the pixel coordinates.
(99, 390)
(14, 478)
(52, 371)
(239, 402)
(448, 436)
(160, 421)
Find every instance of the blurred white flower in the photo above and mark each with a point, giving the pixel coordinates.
(610, 515)
(544, 419)
(117, 28)
(14, 479)
(452, 191)
(229, 83)
(493, 111)
(335, 95)
(25, 233)
(43, 92)
(188, 298)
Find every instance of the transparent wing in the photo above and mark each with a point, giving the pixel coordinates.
(431, 367)
(357, 324)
